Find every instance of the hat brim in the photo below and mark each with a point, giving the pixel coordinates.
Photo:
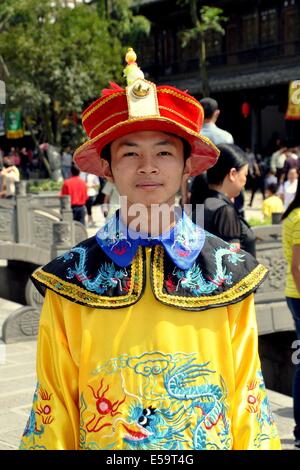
(204, 153)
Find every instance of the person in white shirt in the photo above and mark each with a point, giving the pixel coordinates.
(210, 129)
(277, 162)
(288, 189)
(111, 199)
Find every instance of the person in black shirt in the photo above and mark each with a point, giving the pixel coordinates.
(225, 181)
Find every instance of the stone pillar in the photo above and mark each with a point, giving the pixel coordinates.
(23, 215)
(62, 238)
(65, 209)
(21, 188)
(67, 214)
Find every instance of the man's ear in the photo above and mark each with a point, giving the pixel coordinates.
(216, 114)
(106, 171)
(187, 168)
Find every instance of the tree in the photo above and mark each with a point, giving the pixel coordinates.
(58, 59)
(203, 20)
(124, 22)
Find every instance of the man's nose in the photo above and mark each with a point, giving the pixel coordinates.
(147, 165)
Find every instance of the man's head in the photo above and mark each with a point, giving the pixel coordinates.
(147, 166)
(271, 189)
(143, 107)
(75, 171)
(211, 109)
(7, 162)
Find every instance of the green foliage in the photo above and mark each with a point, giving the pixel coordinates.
(37, 186)
(207, 18)
(59, 59)
(124, 22)
(211, 18)
(255, 221)
(204, 19)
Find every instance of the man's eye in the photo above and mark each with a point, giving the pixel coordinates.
(129, 154)
(164, 153)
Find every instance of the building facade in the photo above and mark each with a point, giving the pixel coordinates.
(249, 67)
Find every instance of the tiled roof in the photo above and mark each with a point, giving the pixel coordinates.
(263, 78)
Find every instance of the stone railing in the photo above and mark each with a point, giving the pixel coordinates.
(271, 308)
(33, 230)
(28, 218)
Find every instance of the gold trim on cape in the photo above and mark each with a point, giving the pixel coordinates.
(79, 294)
(231, 295)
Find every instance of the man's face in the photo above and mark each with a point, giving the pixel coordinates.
(147, 167)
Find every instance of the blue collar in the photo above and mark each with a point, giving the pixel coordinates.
(183, 242)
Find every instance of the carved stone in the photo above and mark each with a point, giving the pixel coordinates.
(42, 230)
(276, 263)
(22, 325)
(33, 297)
(271, 309)
(62, 238)
(62, 234)
(7, 224)
(80, 232)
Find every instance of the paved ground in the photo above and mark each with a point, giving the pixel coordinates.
(17, 377)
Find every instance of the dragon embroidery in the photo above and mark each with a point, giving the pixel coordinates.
(177, 405)
(194, 280)
(107, 276)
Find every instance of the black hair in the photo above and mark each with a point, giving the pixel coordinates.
(294, 204)
(231, 156)
(272, 187)
(209, 106)
(106, 153)
(75, 170)
(187, 150)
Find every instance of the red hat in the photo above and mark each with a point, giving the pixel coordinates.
(142, 106)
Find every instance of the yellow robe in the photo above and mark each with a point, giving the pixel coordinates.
(149, 376)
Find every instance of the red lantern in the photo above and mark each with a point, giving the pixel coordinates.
(245, 109)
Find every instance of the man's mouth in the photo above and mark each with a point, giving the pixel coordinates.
(148, 185)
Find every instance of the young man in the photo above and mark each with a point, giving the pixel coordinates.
(148, 335)
(210, 129)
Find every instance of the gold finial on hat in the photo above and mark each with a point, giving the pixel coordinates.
(132, 70)
(140, 90)
(130, 56)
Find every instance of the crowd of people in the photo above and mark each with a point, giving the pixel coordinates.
(84, 189)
